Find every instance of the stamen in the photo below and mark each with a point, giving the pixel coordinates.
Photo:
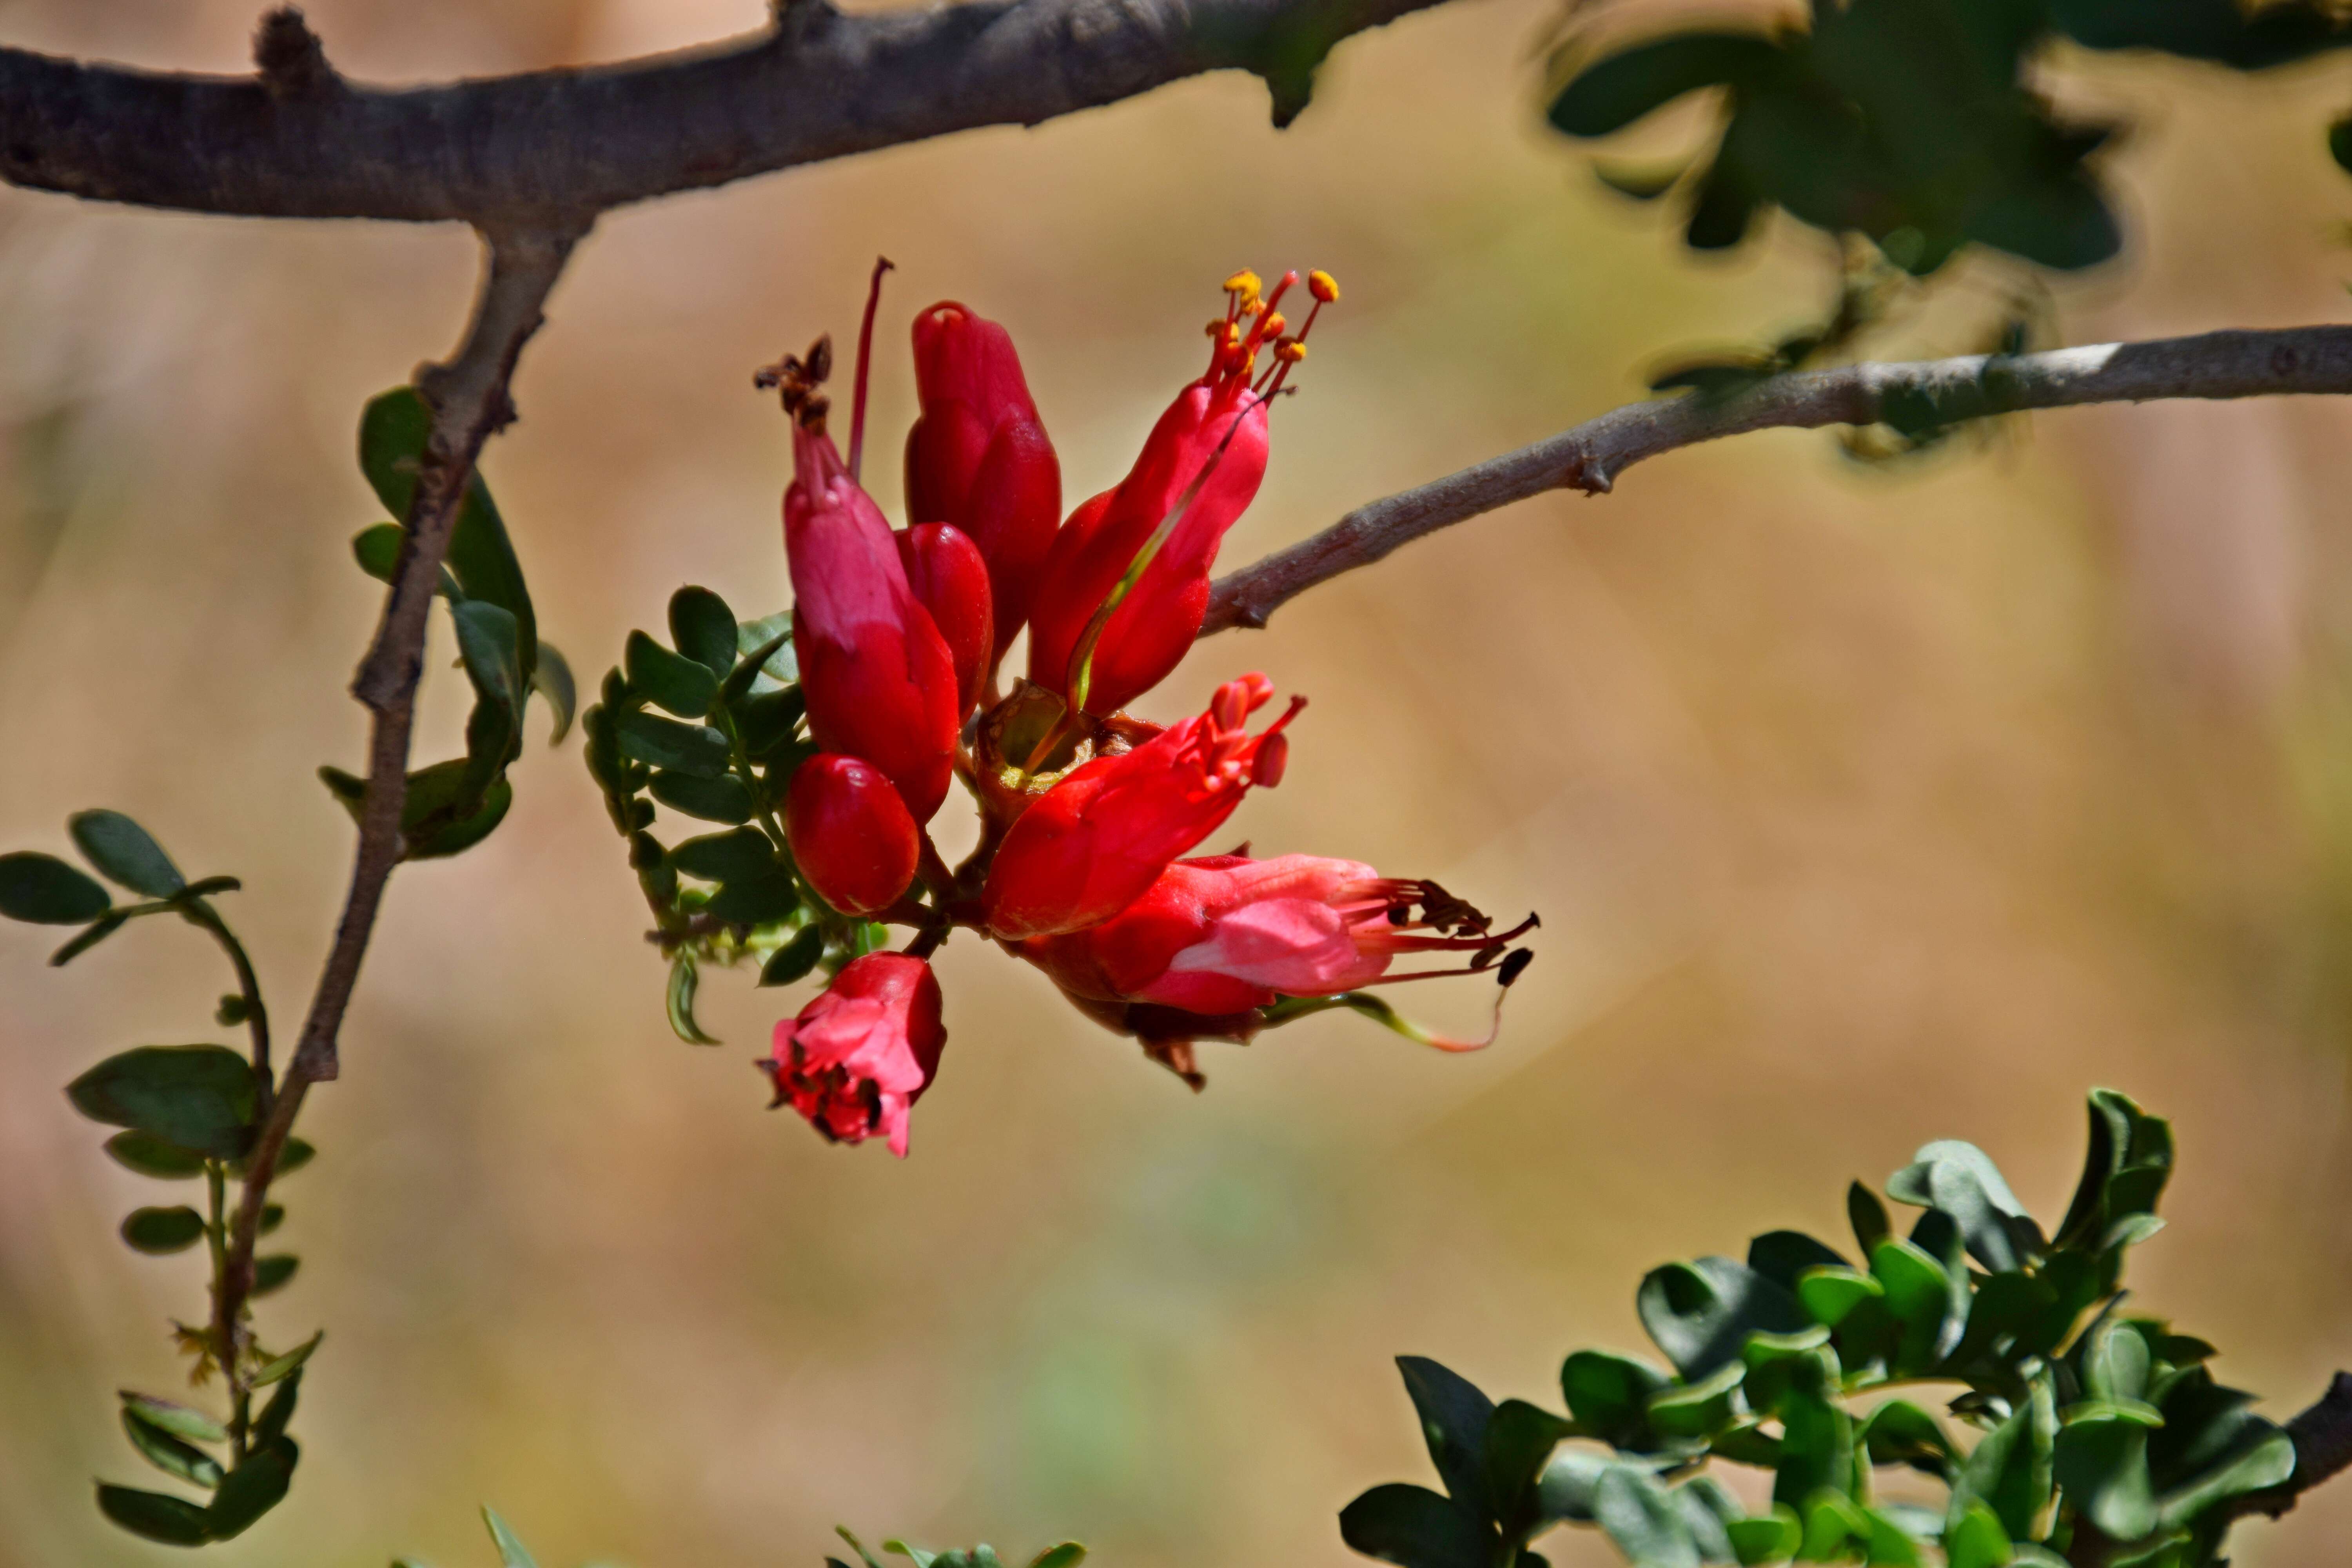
(1324, 288)
(865, 362)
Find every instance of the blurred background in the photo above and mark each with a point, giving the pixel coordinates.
(1862, 806)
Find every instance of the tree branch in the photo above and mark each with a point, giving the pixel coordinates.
(555, 147)
(1915, 397)
(469, 402)
(2323, 1450)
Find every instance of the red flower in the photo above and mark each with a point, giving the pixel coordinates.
(1198, 470)
(1225, 934)
(947, 575)
(850, 833)
(858, 1056)
(878, 677)
(979, 458)
(1090, 845)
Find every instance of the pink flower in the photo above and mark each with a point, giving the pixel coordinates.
(858, 1056)
(1090, 845)
(879, 678)
(1224, 934)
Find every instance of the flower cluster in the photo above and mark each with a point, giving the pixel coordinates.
(1087, 813)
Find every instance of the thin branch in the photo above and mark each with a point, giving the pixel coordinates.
(469, 401)
(1924, 396)
(554, 147)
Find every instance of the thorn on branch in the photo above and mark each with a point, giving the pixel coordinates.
(291, 59)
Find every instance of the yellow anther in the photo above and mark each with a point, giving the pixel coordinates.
(1324, 288)
(1290, 351)
(1245, 283)
(1217, 327)
(1273, 324)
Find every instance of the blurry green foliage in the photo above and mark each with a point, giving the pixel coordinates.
(1915, 123)
(2091, 1430)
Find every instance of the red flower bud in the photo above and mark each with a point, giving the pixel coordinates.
(850, 833)
(1224, 934)
(979, 458)
(876, 675)
(947, 575)
(1094, 842)
(858, 1056)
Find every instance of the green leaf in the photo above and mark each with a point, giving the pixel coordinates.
(742, 855)
(1919, 1295)
(176, 1419)
(2102, 1463)
(1817, 1447)
(2124, 1169)
(761, 902)
(1886, 1542)
(1610, 1395)
(551, 677)
(1900, 1433)
(253, 1489)
(377, 549)
(1868, 1217)
(2009, 1470)
(1701, 1409)
(45, 890)
(198, 1097)
(1068, 1554)
(1643, 182)
(1766, 1538)
(769, 719)
(174, 1521)
(1700, 1313)
(1963, 1181)
(683, 982)
(99, 930)
(684, 686)
(1453, 1418)
(1415, 1528)
(152, 1156)
(702, 628)
(1975, 1539)
(161, 1230)
(2004, 1307)
(1614, 92)
(288, 1364)
(1519, 1444)
(694, 749)
(392, 433)
(1781, 1256)
(435, 819)
(271, 1273)
(2115, 1362)
(511, 1552)
(271, 1425)
(793, 961)
(122, 850)
(711, 799)
(1830, 1295)
(487, 646)
(170, 1454)
(292, 1155)
(752, 665)
(2211, 1448)
(1643, 1520)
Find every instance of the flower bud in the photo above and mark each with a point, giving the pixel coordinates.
(978, 457)
(850, 833)
(946, 575)
(877, 676)
(858, 1056)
